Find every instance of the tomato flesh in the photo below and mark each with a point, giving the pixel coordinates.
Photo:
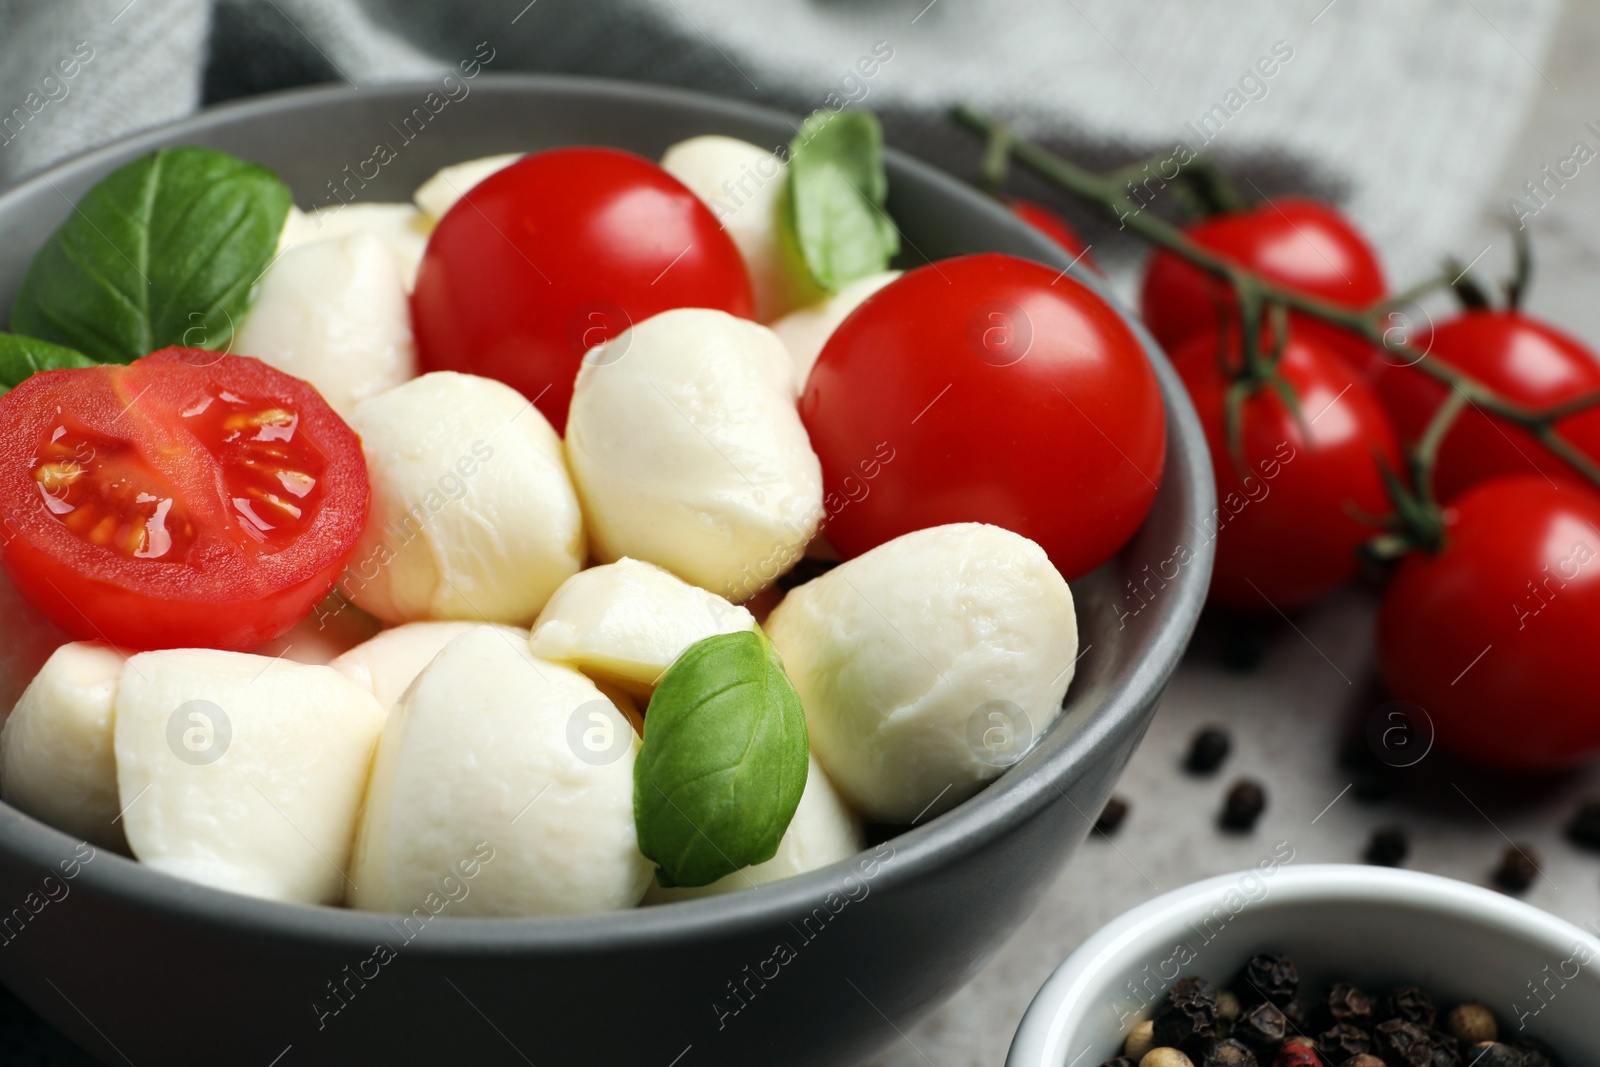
(187, 499)
(557, 253)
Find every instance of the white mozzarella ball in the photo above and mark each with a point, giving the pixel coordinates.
(746, 187)
(927, 665)
(436, 196)
(56, 761)
(334, 313)
(473, 514)
(481, 756)
(688, 452)
(824, 830)
(626, 622)
(27, 639)
(333, 628)
(401, 227)
(806, 330)
(242, 772)
(389, 662)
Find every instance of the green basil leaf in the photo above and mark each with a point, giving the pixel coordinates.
(22, 357)
(163, 251)
(837, 191)
(724, 760)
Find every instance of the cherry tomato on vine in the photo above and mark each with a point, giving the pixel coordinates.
(1288, 525)
(557, 253)
(1052, 226)
(186, 499)
(987, 389)
(1495, 635)
(1295, 241)
(1523, 360)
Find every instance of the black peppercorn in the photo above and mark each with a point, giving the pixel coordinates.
(1244, 805)
(1342, 1040)
(1262, 1027)
(1364, 1060)
(1188, 1015)
(1410, 1004)
(1111, 816)
(1387, 847)
(1272, 978)
(1494, 1054)
(1347, 1004)
(1536, 1053)
(1518, 868)
(1207, 751)
(1584, 829)
(1298, 1012)
(1444, 1051)
(1403, 1044)
(1229, 1053)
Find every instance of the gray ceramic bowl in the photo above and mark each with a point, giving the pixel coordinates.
(139, 968)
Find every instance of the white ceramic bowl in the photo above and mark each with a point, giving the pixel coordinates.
(1374, 926)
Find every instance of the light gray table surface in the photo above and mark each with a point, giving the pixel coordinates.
(1288, 717)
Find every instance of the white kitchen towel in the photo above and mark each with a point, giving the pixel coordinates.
(1399, 108)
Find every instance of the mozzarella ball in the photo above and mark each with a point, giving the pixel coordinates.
(805, 331)
(480, 760)
(473, 515)
(335, 314)
(242, 772)
(927, 665)
(56, 761)
(333, 628)
(27, 639)
(688, 452)
(436, 196)
(626, 622)
(388, 663)
(401, 227)
(746, 187)
(824, 830)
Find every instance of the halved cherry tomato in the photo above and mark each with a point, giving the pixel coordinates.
(1518, 357)
(987, 389)
(1494, 637)
(187, 499)
(1289, 524)
(1052, 226)
(560, 252)
(1295, 241)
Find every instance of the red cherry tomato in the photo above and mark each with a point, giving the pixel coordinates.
(557, 253)
(187, 499)
(987, 389)
(1054, 227)
(1288, 527)
(1495, 636)
(1518, 357)
(1295, 241)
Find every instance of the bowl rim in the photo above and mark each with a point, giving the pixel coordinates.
(1010, 800)
(1055, 1014)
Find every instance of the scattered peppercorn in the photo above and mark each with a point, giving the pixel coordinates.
(1411, 1004)
(1229, 1053)
(1207, 751)
(1341, 1041)
(1388, 847)
(1265, 977)
(1244, 805)
(1536, 1053)
(1165, 1057)
(1471, 1023)
(1445, 1052)
(1584, 829)
(1262, 1027)
(1518, 868)
(1187, 1015)
(1494, 1054)
(1363, 1060)
(1347, 1004)
(1139, 1041)
(1403, 1044)
(1297, 1056)
(1298, 1012)
(1227, 1006)
(1111, 816)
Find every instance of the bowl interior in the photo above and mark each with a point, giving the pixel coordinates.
(1376, 927)
(328, 144)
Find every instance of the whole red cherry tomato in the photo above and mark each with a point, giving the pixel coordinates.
(186, 499)
(1523, 360)
(1288, 526)
(1295, 241)
(987, 389)
(1052, 226)
(557, 253)
(1495, 635)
